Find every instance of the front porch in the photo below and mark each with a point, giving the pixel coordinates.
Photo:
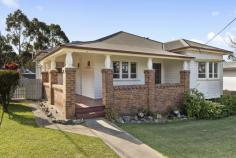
(88, 108)
(79, 83)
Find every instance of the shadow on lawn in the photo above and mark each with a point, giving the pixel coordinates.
(21, 114)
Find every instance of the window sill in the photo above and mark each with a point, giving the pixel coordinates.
(208, 79)
(128, 79)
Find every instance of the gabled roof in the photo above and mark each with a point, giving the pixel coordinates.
(181, 44)
(125, 43)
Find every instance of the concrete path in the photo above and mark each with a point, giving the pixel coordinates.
(124, 144)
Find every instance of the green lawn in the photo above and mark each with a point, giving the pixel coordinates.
(189, 139)
(20, 137)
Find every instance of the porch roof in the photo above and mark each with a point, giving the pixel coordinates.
(122, 42)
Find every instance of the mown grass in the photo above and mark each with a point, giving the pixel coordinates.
(20, 137)
(195, 139)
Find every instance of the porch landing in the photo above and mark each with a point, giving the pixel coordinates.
(87, 108)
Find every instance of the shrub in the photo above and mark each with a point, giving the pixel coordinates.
(8, 82)
(230, 103)
(211, 110)
(192, 103)
(195, 106)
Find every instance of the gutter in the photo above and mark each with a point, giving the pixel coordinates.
(111, 50)
(199, 48)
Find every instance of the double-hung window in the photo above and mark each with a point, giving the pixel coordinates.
(124, 70)
(116, 69)
(213, 70)
(208, 70)
(202, 70)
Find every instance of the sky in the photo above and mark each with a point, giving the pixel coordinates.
(163, 21)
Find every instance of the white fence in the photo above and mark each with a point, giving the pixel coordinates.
(28, 89)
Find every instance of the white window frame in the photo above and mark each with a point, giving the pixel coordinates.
(213, 70)
(129, 70)
(207, 70)
(202, 73)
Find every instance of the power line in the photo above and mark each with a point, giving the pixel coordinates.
(221, 31)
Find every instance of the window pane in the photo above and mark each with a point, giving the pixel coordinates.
(116, 66)
(215, 70)
(133, 76)
(201, 70)
(133, 67)
(125, 76)
(116, 69)
(201, 75)
(210, 70)
(116, 75)
(133, 70)
(124, 67)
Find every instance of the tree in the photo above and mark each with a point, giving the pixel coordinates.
(233, 45)
(17, 24)
(39, 34)
(7, 55)
(57, 36)
(28, 36)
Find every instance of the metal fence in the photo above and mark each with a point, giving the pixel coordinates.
(28, 89)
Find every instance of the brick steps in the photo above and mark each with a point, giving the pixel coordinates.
(89, 112)
(90, 115)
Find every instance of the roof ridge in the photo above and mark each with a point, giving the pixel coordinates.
(112, 35)
(206, 45)
(147, 38)
(97, 40)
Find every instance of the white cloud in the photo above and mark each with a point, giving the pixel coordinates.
(217, 38)
(215, 13)
(11, 3)
(221, 41)
(39, 8)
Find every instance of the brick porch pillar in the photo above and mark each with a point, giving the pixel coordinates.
(52, 80)
(150, 83)
(44, 76)
(184, 78)
(69, 92)
(107, 87)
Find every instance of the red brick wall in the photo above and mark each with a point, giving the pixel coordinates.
(167, 96)
(156, 98)
(58, 96)
(131, 97)
(69, 92)
(46, 90)
(44, 76)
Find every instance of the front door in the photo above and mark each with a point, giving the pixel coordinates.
(157, 68)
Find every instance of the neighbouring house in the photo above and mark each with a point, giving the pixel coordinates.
(128, 72)
(230, 76)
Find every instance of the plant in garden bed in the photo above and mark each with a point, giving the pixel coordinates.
(230, 103)
(196, 106)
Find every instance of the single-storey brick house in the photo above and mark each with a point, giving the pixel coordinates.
(128, 72)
